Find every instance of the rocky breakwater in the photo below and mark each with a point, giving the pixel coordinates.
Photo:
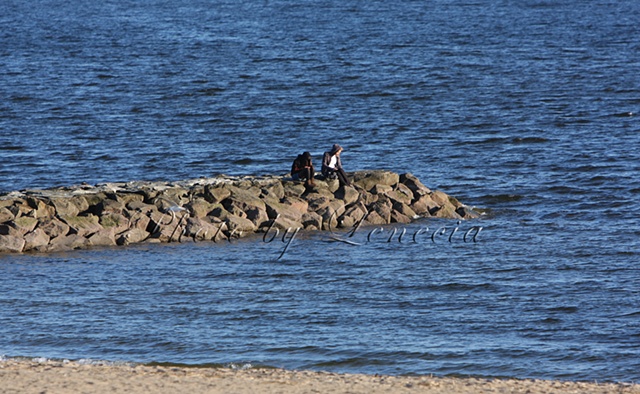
(210, 209)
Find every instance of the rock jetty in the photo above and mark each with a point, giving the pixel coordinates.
(210, 209)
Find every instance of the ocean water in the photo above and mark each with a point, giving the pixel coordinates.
(526, 110)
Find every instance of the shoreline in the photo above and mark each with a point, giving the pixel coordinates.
(71, 377)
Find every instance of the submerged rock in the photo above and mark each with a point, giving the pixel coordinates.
(211, 209)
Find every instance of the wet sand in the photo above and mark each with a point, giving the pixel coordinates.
(71, 377)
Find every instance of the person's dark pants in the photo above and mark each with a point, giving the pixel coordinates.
(341, 175)
(306, 173)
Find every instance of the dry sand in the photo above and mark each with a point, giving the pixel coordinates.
(69, 377)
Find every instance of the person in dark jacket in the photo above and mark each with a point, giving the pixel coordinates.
(332, 166)
(302, 168)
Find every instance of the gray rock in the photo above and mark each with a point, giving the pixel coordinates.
(401, 194)
(19, 226)
(11, 244)
(368, 179)
(311, 221)
(404, 210)
(200, 208)
(414, 184)
(348, 194)
(64, 207)
(238, 225)
(114, 221)
(132, 236)
(6, 215)
(352, 215)
(53, 227)
(203, 230)
(216, 193)
(67, 242)
(37, 240)
(331, 213)
(104, 237)
(83, 225)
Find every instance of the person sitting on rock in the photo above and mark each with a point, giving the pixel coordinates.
(302, 168)
(332, 166)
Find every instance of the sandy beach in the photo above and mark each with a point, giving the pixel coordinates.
(71, 377)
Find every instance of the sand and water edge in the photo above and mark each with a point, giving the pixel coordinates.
(37, 376)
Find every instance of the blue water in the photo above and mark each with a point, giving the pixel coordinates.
(526, 110)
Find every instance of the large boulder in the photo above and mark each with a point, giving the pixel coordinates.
(401, 194)
(40, 208)
(316, 202)
(397, 217)
(147, 222)
(69, 206)
(127, 197)
(238, 225)
(11, 244)
(284, 211)
(19, 226)
(331, 213)
(200, 208)
(311, 221)
(37, 240)
(382, 208)
(132, 236)
(171, 197)
(6, 215)
(348, 194)
(204, 230)
(368, 179)
(104, 237)
(258, 216)
(242, 200)
(414, 184)
(216, 193)
(67, 242)
(273, 190)
(375, 218)
(83, 225)
(53, 227)
(114, 221)
(352, 215)
(404, 210)
(294, 188)
(108, 206)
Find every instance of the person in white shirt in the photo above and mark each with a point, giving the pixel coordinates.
(332, 166)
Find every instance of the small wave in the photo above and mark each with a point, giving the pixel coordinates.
(623, 114)
(211, 91)
(502, 197)
(492, 140)
(455, 286)
(105, 158)
(631, 314)
(243, 161)
(530, 140)
(18, 99)
(374, 94)
(237, 366)
(13, 148)
(564, 309)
